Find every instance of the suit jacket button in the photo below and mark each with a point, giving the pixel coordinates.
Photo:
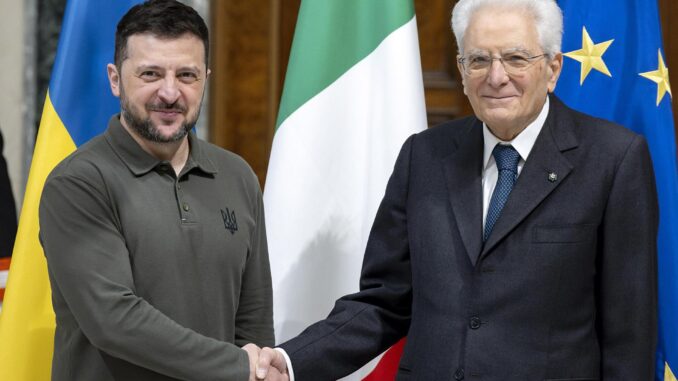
(474, 323)
(459, 374)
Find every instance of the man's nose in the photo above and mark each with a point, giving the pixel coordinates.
(497, 75)
(169, 90)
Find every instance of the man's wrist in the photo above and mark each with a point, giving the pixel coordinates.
(290, 372)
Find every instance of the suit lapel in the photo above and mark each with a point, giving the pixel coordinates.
(533, 184)
(463, 168)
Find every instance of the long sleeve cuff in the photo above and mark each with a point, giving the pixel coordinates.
(289, 363)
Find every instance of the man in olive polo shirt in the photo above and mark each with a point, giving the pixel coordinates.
(155, 240)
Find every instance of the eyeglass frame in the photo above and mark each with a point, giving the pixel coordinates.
(531, 60)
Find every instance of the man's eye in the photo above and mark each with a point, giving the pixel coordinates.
(149, 75)
(478, 60)
(188, 77)
(516, 59)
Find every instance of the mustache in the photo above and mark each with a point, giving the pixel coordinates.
(162, 106)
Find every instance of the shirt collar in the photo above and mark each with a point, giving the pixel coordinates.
(523, 143)
(141, 162)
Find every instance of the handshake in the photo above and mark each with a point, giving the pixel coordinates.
(266, 364)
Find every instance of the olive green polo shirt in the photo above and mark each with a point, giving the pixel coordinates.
(155, 276)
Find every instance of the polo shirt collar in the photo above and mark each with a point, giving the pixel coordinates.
(197, 157)
(141, 162)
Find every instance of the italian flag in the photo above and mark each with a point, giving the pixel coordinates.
(353, 93)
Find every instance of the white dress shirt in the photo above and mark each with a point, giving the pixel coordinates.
(523, 143)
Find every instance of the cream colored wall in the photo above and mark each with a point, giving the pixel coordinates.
(11, 90)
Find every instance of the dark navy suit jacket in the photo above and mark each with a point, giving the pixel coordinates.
(563, 289)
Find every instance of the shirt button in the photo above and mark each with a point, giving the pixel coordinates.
(459, 374)
(186, 207)
(474, 323)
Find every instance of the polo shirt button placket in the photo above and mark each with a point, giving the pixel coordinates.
(185, 211)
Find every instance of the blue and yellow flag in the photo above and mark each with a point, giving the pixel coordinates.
(615, 69)
(78, 105)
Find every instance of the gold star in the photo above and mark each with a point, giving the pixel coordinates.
(591, 56)
(661, 78)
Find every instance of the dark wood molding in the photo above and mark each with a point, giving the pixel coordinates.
(244, 85)
(445, 99)
(668, 10)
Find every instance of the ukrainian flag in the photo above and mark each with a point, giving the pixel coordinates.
(615, 69)
(78, 105)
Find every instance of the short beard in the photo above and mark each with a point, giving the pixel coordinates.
(145, 127)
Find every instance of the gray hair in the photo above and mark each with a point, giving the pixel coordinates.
(547, 15)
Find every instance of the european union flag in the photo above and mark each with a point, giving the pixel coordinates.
(615, 69)
(78, 105)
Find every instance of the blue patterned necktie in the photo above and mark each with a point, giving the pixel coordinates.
(507, 165)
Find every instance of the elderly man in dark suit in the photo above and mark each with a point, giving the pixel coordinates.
(517, 244)
(7, 209)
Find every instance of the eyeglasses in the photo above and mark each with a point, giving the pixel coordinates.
(476, 65)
